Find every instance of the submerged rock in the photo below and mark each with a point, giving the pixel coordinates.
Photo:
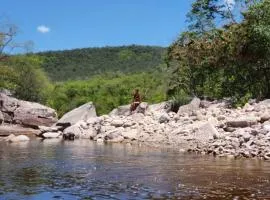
(19, 138)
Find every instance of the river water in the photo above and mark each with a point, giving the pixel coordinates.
(54, 169)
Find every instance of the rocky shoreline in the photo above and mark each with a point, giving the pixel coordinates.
(200, 126)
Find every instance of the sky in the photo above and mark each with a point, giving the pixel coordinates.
(69, 24)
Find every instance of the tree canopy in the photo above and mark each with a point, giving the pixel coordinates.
(228, 61)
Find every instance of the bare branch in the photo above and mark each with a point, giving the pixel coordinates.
(8, 32)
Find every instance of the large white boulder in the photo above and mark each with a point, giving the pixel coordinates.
(83, 112)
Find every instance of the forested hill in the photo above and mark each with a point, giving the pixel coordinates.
(84, 63)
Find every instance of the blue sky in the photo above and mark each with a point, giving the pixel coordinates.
(68, 24)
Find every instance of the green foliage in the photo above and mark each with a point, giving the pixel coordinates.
(8, 77)
(25, 77)
(84, 63)
(233, 61)
(107, 92)
(179, 98)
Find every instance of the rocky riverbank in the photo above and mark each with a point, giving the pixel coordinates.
(201, 126)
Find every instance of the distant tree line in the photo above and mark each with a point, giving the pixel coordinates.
(84, 63)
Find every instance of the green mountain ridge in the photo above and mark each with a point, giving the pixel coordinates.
(78, 64)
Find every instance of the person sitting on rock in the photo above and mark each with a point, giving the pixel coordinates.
(136, 100)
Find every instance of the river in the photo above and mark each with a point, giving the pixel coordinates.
(82, 169)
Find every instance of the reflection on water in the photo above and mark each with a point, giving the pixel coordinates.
(56, 169)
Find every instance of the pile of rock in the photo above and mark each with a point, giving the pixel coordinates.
(205, 127)
(200, 126)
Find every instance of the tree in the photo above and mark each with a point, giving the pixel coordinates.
(231, 61)
(8, 33)
(29, 82)
(203, 14)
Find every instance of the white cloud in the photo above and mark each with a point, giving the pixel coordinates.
(230, 3)
(43, 29)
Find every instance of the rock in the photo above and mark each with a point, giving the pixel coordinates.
(141, 108)
(163, 107)
(137, 117)
(94, 120)
(164, 118)
(90, 133)
(191, 107)
(205, 104)
(213, 121)
(265, 102)
(221, 117)
(266, 127)
(6, 130)
(44, 129)
(100, 141)
(52, 134)
(8, 117)
(81, 130)
(83, 125)
(206, 132)
(267, 156)
(33, 114)
(117, 139)
(6, 92)
(73, 130)
(246, 136)
(246, 154)
(131, 134)
(83, 112)
(1, 118)
(69, 136)
(112, 135)
(120, 111)
(265, 117)
(199, 116)
(248, 108)
(129, 123)
(180, 131)
(117, 123)
(19, 138)
(25, 112)
(229, 129)
(8, 104)
(242, 122)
